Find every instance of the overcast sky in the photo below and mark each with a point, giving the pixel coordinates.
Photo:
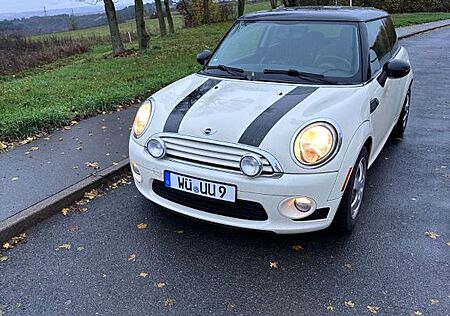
(7, 6)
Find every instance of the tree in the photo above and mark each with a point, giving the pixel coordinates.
(143, 36)
(241, 7)
(205, 11)
(159, 13)
(273, 4)
(116, 41)
(169, 16)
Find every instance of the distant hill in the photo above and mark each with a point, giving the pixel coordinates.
(35, 25)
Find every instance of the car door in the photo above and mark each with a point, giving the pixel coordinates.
(382, 91)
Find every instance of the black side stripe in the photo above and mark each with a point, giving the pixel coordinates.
(260, 127)
(179, 111)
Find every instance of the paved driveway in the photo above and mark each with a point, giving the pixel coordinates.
(196, 268)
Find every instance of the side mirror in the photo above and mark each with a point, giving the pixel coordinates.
(203, 57)
(396, 69)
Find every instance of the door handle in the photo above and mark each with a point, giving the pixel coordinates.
(374, 103)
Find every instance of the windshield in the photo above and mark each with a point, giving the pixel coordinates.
(328, 49)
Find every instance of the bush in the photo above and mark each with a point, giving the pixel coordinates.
(193, 12)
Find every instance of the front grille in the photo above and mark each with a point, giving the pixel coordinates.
(215, 155)
(240, 209)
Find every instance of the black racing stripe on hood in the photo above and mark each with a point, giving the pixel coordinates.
(260, 127)
(179, 111)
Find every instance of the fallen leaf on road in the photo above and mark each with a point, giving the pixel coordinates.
(330, 308)
(14, 178)
(92, 164)
(91, 194)
(348, 265)
(179, 232)
(433, 301)
(3, 147)
(273, 264)
(418, 313)
(132, 257)
(104, 127)
(3, 258)
(14, 241)
(115, 163)
(169, 302)
(80, 248)
(231, 307)
(142, 226)
(67, 128)
(34, 148)
(143, 274)
(73, 122)
(73, 228)
(373, 309)
(159, 285)
(297, 248)
(65, 211)
(432, 235)
(349, 304)
(64, 246)
(79, 148)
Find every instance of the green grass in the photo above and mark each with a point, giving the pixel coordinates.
(54, 94)
(406, 19)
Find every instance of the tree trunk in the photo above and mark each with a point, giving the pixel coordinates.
(273, 4)
(241, 7)
(169, 16)
(205, 11)
(116, 41)
(159, 13)
(143, 36)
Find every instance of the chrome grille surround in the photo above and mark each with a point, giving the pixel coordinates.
(213, 154)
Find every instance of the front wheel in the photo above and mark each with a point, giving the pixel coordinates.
(349, 208)
(400, 127)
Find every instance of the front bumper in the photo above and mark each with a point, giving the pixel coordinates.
(270, 192)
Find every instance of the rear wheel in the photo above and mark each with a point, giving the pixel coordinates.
(349, 208)
(400, 127)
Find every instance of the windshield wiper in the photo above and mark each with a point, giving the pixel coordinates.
(303, 75)
(231, 70)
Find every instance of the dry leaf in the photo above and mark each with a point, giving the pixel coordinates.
(143, 274)
(432, 235)
(73, 228)
(14, 241)
(73, 122)
(179, 232)
(79, 148)
(330, 308)
(34, 148)
(349, 304)
(80, 248)
(65, 246)
(142, 226)
(231, 307)
(297, 248)
(433, 301)
(3, 146)
(92, 164)
(91, 194)
(67, 127)
(373, 309)
(273, 264)
(169, 302)
(159, 285)
(3, 258)
(14, 178)
(348, 265)
(418, 313)
(132, 257)
(104, 127)
(65, 211)
(448, 243)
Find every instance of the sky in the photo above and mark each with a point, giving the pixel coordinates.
(9, 6)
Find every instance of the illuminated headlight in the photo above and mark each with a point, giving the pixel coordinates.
(251, 165)
(156, 147)
(142, 118)
(315, 143)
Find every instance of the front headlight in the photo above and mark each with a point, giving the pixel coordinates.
(142, 118)
(315, 143)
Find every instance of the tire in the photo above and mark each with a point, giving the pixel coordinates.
(400, 127)
(348, 213)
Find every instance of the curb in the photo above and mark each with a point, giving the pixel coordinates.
(423, 31)
(36, 213)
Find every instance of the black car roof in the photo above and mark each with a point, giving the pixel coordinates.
(323, 13)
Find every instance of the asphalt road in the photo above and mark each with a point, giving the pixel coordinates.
(387, 262)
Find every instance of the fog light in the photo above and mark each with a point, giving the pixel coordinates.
(251, 165)
(136, 172)
(303, 204)
(156, 147)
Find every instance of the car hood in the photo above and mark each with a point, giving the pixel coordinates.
(260, 114)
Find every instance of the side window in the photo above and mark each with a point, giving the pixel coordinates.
(392, 35)
(379, 45)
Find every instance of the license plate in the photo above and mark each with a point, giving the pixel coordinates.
(201, 187)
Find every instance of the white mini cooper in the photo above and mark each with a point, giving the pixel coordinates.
(277, 130)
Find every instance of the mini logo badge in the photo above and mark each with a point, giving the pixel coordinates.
(208, 131)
